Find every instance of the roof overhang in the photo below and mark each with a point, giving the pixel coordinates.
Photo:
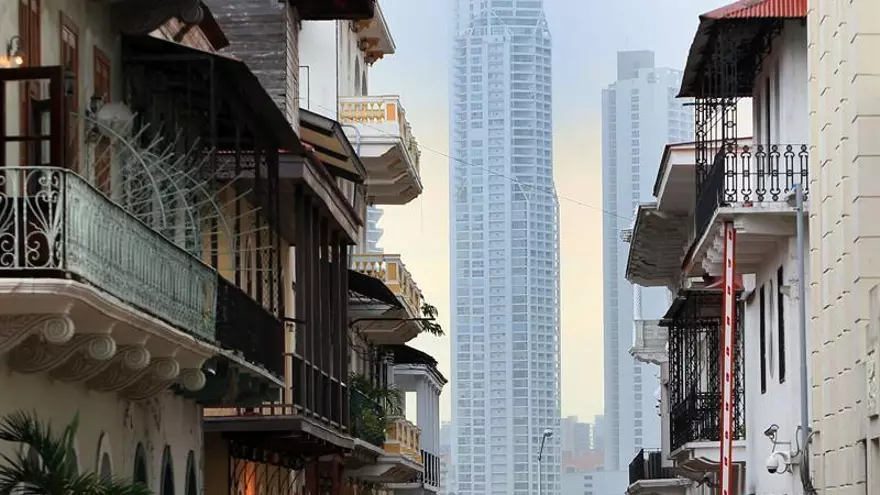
(372, 288)
(328, 10)
(332, 146)
(738, 35)
(284, 433)
(237, 79)
(657, 246)
(375, 36)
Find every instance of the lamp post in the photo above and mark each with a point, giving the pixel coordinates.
(547, 434)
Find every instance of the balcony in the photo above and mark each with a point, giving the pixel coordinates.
(430, 477)
(694, 386)
(377, 322)
(88, 288)
(384, 140)
(245, 326)
(649, 342)
(647, 476)
(386, 447)
(312, 418)
(751, 186)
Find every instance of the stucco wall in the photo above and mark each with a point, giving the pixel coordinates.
(111, 424)
(780, 404)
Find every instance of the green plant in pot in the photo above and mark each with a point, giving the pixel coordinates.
(372, 407)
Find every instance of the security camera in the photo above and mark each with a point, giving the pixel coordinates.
(778, 463)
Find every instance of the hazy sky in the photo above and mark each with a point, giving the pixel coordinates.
(586, 36)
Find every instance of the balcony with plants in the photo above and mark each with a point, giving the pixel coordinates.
(379, 129)
(408, 316)
(388, 442)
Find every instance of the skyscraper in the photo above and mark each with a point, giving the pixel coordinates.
(504, 252)
(640, 115)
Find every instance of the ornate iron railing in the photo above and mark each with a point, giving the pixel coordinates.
(54, 223)
(430, 475)
(244, 325)
(749, 175)
(648, 465)
(694, 386)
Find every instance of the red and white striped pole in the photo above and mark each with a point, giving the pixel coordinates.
(727, 363)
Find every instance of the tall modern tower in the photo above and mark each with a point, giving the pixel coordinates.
(504, 252)
(640, 115)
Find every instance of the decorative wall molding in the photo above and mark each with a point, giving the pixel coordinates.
(53, 328)
(160, 375)
(130, 364)
(35, 356)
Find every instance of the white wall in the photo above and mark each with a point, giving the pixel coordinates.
(108, 423)
(785, 68)
(780, 404)
(331, 66)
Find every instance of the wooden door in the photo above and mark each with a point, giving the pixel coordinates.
(31, 90)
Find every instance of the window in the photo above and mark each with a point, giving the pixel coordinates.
(780, 324)
(70, 61)
(29, 31)
(762, 326)
(101, 81)
(167, 472)
(140, 465)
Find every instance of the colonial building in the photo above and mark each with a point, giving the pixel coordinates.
(727, 209)
(144, 233)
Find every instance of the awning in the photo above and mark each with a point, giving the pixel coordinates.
(738, 27)
(233, 74)
(373, 288)
(332, 146)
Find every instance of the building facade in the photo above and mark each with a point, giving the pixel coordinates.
(844, 305)
(640, 114)
(504, 252)
(726, 212)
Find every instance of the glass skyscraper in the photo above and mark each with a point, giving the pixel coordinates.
(640, 115)
(504, 252)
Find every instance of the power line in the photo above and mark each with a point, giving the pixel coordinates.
(497, 174)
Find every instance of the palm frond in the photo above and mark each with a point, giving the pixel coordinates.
(45, 463)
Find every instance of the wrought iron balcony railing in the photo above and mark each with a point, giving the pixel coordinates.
(648, 465)
(389, 268)
(430, 475)
(244, 325)
(749, 175)
(54, 223)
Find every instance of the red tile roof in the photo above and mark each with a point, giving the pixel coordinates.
(760, 9)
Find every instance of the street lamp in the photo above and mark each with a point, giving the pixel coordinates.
(547, 434)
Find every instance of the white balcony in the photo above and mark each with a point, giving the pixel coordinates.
(377, 322)
(383, 138)
(649, 342)
(92, 295)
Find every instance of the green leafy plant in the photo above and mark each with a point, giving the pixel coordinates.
(428, 325)
(372, 408)
(45, 462)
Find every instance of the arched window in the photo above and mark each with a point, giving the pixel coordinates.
(167, 472)
(140, 465)
(106, 471)
(103, 460)
(192, 487)
(356, 75)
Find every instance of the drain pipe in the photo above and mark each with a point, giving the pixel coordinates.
(802, 327)
(357, 133)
